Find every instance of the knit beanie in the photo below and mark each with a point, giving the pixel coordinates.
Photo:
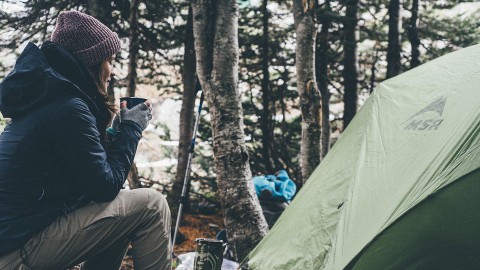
(86, 37)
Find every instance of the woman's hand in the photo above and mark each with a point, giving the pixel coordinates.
(140, 114)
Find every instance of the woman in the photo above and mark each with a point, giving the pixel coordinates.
(60, 178)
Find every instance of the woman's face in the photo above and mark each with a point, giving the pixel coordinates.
(107, 71)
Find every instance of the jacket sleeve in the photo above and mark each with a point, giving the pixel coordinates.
(99, 174)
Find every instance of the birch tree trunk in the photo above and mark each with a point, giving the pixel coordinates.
(350, 73)
(187, 115)
(216, 46)
(305, 28)
(133, 180)
(393, 50)
(321, 60)
(413, 35)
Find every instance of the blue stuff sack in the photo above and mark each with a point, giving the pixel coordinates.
(278, 187)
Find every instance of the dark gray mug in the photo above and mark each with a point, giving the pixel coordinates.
(132, 101)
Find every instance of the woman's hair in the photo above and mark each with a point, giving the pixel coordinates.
(97, 74)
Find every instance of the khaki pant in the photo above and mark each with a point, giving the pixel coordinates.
(98, 235)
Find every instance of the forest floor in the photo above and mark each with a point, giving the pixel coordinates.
(192, 227)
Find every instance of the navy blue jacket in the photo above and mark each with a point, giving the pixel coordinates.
(52, 153)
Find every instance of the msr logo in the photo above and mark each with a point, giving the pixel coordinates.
(429, 118)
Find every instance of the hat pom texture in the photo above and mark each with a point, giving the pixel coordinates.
(86, 37)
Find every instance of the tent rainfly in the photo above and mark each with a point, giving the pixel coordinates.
(401, 187)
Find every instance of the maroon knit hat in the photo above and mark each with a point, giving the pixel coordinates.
(86, 37)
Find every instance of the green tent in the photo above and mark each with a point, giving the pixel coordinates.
(401, 187)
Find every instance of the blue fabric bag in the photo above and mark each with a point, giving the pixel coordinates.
(278, 187)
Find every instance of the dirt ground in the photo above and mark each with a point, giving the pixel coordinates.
(198, 226)
(192, 227)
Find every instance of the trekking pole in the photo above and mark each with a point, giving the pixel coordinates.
(187, 173)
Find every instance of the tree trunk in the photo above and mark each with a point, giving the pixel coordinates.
(266, 125)
(283, 146)
(133, 49)
(321, 65)
(111, 91)
(373, 70)
(45, 27)
(216, 47)
(350, 95)
(132, 75)
(133, 179)
(413, 35)
(393, 50)
(305, 28)
(187, 115)
(102, 10)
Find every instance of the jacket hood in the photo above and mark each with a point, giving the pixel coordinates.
(42, 74)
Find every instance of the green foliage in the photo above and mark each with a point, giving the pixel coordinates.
(282, 90)
(444, 26)
(452, 31)
(160, 32)
(158, 37)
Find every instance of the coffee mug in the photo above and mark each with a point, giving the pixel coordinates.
(132, 101)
